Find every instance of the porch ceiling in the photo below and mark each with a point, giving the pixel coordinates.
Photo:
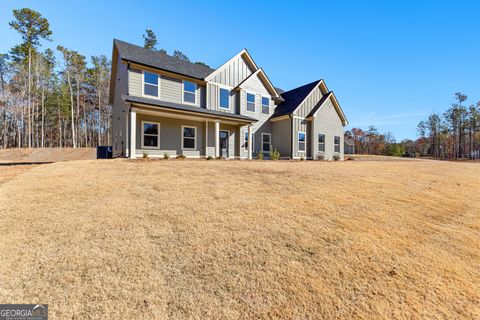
(161, 105)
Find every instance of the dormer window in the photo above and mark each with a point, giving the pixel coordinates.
(189, 92)
(224, 98)
(150, 84)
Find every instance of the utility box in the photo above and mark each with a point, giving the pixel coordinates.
(104, 152)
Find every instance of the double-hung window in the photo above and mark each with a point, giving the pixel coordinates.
(301, 141)
(336, 141)
(246, 142)
(321, 142)
(250, 102)
(150, 135)
(189, 92)
(189, 138)
(224, 98)
(266, 137)
(265, 105)
(150, 84)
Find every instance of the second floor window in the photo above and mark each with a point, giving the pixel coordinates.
(224, 98)
(189, 92)
(336, 141)
(321, 142)
(150, 84)
(265, 105)
(250, 102)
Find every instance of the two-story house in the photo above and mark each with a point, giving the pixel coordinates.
(162, 104)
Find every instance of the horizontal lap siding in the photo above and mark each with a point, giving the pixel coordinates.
(135, 82)
(171, 89)
(171, 136)
(263, 125)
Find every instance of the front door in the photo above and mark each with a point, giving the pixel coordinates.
(224, 144)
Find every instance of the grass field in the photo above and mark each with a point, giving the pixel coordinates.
(242, 240)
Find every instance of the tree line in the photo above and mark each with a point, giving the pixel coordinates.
(51, 102)
(370, 141)
(55, 98)
(454, 134)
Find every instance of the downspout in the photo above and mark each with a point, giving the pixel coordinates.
(293, 136)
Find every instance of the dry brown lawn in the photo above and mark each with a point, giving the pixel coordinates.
(45, 154)
(243, 240)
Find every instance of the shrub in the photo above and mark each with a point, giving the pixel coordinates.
(350, 158)
(274, 155)
(302, 158)
(180, 156)
(260, 155)
(209, 158)
(145, 155)
(166, 156)
(320, 157)
(336, 157)
(219, 158)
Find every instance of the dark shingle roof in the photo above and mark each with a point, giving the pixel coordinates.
(319, 104)
(184, 107)
(293, 98)
(154, 59)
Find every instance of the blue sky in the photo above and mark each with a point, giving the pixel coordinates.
(389, 63)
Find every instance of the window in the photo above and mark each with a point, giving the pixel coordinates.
(189, 138)
(245, 145)
(150, 135)
(189, 89)
(321, 142)
(150, 84)
(250, 102)
(301, 141)
(266, 142)
(265, 105)
(336, 141)
(224, 98)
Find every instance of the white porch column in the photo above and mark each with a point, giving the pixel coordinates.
(217, 138)
(250, 143)
(206, 138)
(133, 131)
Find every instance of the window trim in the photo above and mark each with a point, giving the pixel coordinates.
(318, 143)
(143, 85)
(335, 144)
(254, 102)
(195, 138)
(269, 142)
(267, 105)
(220, 88)
(298, 142)
(143, 134)
(183, 93)
(245, 133)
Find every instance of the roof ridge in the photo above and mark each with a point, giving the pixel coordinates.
(305, 85)
(138, 54)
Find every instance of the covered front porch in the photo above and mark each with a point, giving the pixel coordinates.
(157, 132)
